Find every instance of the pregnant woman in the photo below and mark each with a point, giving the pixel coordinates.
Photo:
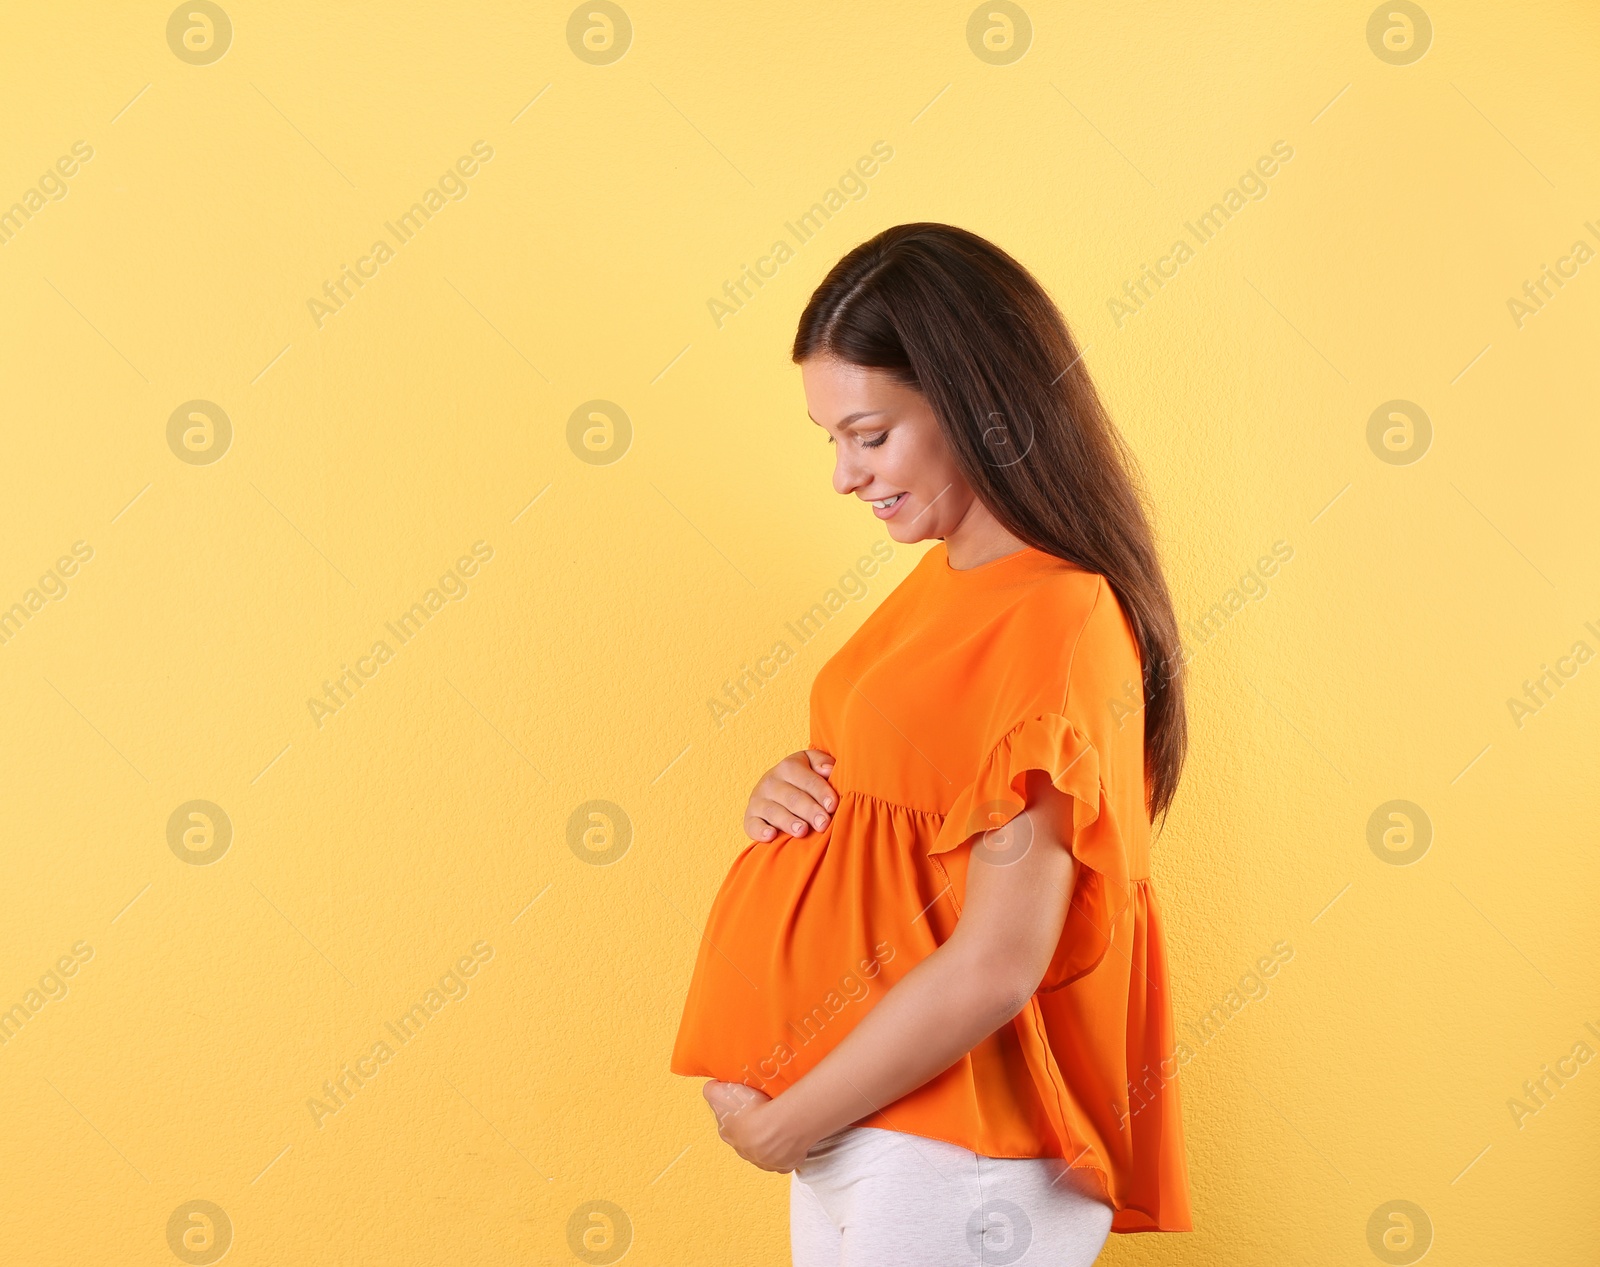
(934, 987)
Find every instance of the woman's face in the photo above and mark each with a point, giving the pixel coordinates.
(889, 446)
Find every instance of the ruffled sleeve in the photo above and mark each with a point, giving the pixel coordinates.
(1051, 742)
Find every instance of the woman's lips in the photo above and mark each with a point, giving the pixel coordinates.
(888, 512)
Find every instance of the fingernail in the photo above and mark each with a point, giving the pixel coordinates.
(820, 821)
(827, 802)
(766, 833)
(799, 826)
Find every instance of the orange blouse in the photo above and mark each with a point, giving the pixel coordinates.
(960, 682)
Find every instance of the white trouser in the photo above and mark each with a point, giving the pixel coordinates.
(869, 1197)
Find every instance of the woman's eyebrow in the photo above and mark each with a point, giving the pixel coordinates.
(855, 417)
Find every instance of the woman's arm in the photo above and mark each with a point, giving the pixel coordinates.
(1016, 904)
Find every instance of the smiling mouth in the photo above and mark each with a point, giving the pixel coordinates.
(886, 502)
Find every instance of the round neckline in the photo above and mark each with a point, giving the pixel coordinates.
(992, 564)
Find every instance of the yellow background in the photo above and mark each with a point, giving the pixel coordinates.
(432, 811)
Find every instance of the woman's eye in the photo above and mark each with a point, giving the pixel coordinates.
(873, 444)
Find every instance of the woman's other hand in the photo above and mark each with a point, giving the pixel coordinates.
(792, 796)
(754, 1126)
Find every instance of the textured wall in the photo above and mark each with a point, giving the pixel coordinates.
(546, 419)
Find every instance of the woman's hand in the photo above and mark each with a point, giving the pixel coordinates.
(791, 796)
(754, 1125)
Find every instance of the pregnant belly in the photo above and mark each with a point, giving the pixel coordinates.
(803, 939)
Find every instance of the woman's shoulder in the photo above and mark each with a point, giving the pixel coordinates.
(1070, 586)
(1060, 598)
(1073, 616)
(1105, 653)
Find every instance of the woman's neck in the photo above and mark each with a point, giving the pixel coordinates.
(979, 539)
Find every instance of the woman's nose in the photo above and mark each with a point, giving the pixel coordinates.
(846, 476)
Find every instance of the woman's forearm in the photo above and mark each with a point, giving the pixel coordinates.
(936, 1013)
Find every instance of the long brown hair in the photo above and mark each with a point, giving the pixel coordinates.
(959, 320)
